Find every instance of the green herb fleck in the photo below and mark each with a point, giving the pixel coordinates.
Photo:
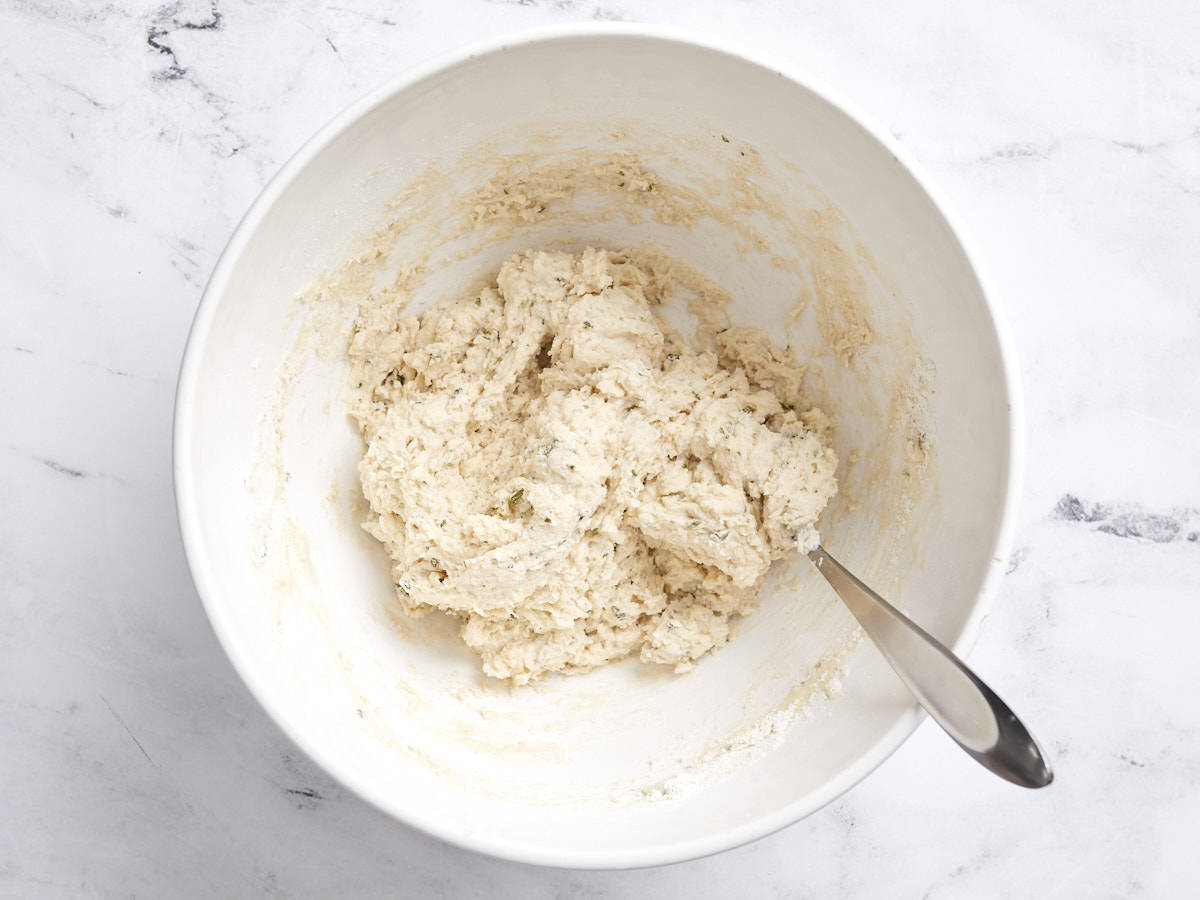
(516, 498)
(478, 301)
(587, 324)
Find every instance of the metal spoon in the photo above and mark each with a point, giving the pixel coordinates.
(966, 708)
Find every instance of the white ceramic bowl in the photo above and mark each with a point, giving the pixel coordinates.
(625, 766)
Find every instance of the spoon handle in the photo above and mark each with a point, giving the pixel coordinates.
(954, 696)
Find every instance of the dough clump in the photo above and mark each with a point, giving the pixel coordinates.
(549, 462)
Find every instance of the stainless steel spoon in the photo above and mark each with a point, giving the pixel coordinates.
(966, 708)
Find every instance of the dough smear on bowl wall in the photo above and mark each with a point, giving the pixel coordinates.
(683, 222)
(550, 462)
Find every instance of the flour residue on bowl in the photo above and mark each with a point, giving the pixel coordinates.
(403, 681)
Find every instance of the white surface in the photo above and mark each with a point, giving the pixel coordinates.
(136, 763)
(543, 767)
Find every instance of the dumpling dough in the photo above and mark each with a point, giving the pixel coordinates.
(546, 461)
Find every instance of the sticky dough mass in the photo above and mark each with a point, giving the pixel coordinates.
(549, 462)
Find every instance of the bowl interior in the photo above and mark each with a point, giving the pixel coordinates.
(819, 234)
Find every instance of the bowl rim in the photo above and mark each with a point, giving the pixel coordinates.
(195, 552)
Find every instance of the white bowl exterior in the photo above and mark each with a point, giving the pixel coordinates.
(307, 220)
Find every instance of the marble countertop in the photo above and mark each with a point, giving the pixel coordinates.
(1066, 135)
